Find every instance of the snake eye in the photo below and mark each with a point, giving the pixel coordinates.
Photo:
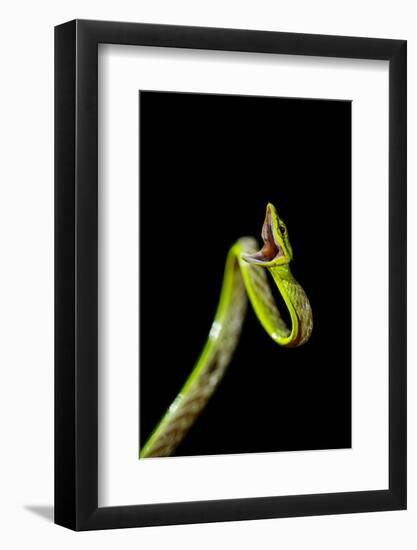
(283, 229)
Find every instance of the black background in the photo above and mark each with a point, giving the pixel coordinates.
(208, 166)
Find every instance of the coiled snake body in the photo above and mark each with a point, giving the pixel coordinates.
(245, 276)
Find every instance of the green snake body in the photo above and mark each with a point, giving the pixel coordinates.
(245, 276)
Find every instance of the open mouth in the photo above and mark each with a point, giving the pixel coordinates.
(271, 249)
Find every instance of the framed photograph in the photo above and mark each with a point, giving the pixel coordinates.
(230, 251)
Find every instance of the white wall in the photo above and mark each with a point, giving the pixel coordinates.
(26, 272)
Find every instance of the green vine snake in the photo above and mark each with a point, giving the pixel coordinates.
(245, 276)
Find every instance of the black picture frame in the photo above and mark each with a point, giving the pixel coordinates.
(76, 271)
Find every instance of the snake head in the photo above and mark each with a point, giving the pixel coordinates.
(276, 249)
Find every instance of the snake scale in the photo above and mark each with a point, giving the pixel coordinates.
(245, 276)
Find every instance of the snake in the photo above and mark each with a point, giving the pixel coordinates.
(245, 280)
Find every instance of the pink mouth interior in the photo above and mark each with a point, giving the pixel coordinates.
(270, 250)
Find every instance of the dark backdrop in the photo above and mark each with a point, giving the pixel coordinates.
(208, 166)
